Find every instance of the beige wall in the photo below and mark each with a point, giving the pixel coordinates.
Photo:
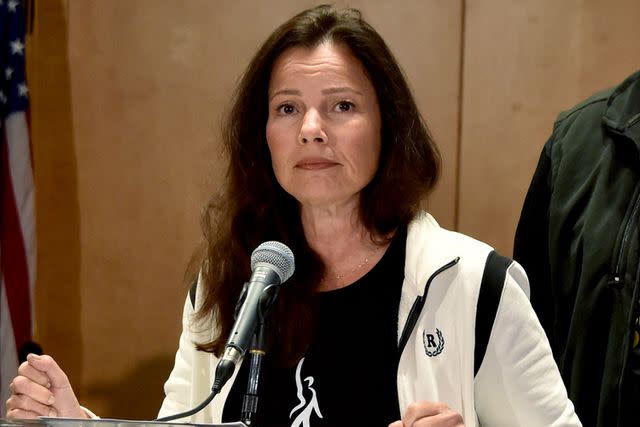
(525, 61)
(126, 101)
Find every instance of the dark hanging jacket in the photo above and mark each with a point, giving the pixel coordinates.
(578, 239)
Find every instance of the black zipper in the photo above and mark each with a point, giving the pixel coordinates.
(617, 279)
(626, 342)
(416, 308)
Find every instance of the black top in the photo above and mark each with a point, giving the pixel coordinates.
(348, 376)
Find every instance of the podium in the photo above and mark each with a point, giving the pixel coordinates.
(104, 422)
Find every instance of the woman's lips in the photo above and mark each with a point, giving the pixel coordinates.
(315, 164)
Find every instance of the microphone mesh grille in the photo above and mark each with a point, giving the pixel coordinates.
(278, 255)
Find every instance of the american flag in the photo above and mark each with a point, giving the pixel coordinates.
(17, 214)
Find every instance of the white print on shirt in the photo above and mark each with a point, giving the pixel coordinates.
(303, 419)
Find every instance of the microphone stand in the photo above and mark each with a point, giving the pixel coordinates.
(256, 354)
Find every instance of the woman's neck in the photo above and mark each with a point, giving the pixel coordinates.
(343, 243)
(324, 224)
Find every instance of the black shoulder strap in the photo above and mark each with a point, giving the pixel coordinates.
(192, 293)
(495, 270)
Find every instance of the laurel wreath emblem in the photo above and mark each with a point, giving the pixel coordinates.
(439, 347)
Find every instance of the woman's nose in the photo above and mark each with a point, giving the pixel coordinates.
(311, 129)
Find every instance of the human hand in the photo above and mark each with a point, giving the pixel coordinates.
(429, 414)
(41, 388)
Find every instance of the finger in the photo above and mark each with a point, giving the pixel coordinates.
(417, 410)
(21, 402)
(26, 370)
(49, 366)
(448, 418)
(396, 424)
(24, 386)
(21, 414)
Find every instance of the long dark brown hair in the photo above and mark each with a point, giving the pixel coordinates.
(253, 208)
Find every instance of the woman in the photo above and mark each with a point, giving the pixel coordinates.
(329, 155)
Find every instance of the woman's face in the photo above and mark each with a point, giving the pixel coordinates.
(323, 129)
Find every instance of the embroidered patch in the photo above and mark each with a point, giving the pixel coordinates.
(431, 347)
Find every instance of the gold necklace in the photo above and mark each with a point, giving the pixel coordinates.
(353, 270)
(339, 276)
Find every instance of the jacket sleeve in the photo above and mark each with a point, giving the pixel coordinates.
(519, 383)
(178, 386)
(531, 245)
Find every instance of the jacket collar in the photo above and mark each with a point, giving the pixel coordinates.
(622, 115)
(426, 250)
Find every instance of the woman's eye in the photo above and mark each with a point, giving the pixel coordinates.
(286, 109)
(344, 106)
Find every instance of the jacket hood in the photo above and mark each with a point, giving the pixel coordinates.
(430, 247)
(425, 251)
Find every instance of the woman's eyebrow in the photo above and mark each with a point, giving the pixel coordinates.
(285, 92)
(341, 90)
(328, 91)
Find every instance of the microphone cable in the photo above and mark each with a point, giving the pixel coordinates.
(190, 412)
(224, 370)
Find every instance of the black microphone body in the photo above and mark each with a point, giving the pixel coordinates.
(258, 295)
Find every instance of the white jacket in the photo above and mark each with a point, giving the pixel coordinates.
(518, 383)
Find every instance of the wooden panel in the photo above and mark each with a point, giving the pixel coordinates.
(425, 37)
(524, 62)
(127, 101)
(58, 287)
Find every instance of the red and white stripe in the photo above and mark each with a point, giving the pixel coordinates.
(17, 247)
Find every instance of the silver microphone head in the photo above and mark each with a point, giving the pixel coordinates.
(277, 255)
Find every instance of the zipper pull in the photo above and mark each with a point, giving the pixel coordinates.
(615, 281)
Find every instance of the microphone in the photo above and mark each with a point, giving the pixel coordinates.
(272, 263)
